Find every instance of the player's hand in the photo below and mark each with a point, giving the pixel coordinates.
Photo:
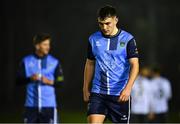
(47, 81)
(34, 77)
(151, 116)
(86, 95)
(125, 94)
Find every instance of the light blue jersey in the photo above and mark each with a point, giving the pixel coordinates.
(39, 94)
(111, 61)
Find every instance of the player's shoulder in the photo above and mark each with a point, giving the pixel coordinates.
(29, 56)
(124, 32)
(95, 35)
(126, 35)
(146, 80)
(160, 79)
(143, 79)
(164, 79)
(52, 57)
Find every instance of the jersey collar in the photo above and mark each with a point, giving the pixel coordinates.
(107, 36)
(38, 57)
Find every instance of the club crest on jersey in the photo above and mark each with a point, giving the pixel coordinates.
(31, 65)
(122, 44)
(50, 64)
(98, 43)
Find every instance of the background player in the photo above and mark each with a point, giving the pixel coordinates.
(161, 94)
(40, 72)
(140, 103)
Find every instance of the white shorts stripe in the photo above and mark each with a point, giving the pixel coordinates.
(55, 116)
(129, 112)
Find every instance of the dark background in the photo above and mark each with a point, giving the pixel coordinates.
(154, 23)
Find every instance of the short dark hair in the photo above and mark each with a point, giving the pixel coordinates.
(106, 11)
(40, 37)
(157, 69)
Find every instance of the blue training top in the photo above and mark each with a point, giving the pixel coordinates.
(39, 94)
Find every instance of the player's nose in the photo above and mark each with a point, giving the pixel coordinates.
(104, 27)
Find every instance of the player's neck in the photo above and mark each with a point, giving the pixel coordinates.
(115, 31)
(39, 54)
(157, 75)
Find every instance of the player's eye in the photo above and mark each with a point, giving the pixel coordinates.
(108, 23)
(101, 24)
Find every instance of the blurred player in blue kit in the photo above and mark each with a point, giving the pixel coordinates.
(41, 72)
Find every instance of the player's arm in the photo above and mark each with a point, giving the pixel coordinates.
(58, 75)
(132, 54)
(88, 73)
(47, 81)
(167, 89)
(151, 114)
(132, 76)
(21, 78)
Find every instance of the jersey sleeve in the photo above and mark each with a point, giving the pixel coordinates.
(132, 51)
(167, 89)
(59, 77)
(21, 75)
(90, 54)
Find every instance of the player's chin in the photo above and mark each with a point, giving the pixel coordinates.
(46, 52)
(106, 33)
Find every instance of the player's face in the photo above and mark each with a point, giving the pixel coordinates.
(108, 25)
(145, 72)
(43, 47)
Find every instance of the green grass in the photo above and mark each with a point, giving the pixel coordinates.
(65, 117)
(75, 117)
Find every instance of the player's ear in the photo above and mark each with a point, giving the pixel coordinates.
(37, 47)
(116, 19)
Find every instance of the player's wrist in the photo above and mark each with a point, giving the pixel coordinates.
(85, 89)
(85, 86)
(130, 84)
(128, 87)
(47, 81)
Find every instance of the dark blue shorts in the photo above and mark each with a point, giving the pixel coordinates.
(46, 115)
(109, 106)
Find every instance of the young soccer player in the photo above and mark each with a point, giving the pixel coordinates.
(40, 72)
(112, 66)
